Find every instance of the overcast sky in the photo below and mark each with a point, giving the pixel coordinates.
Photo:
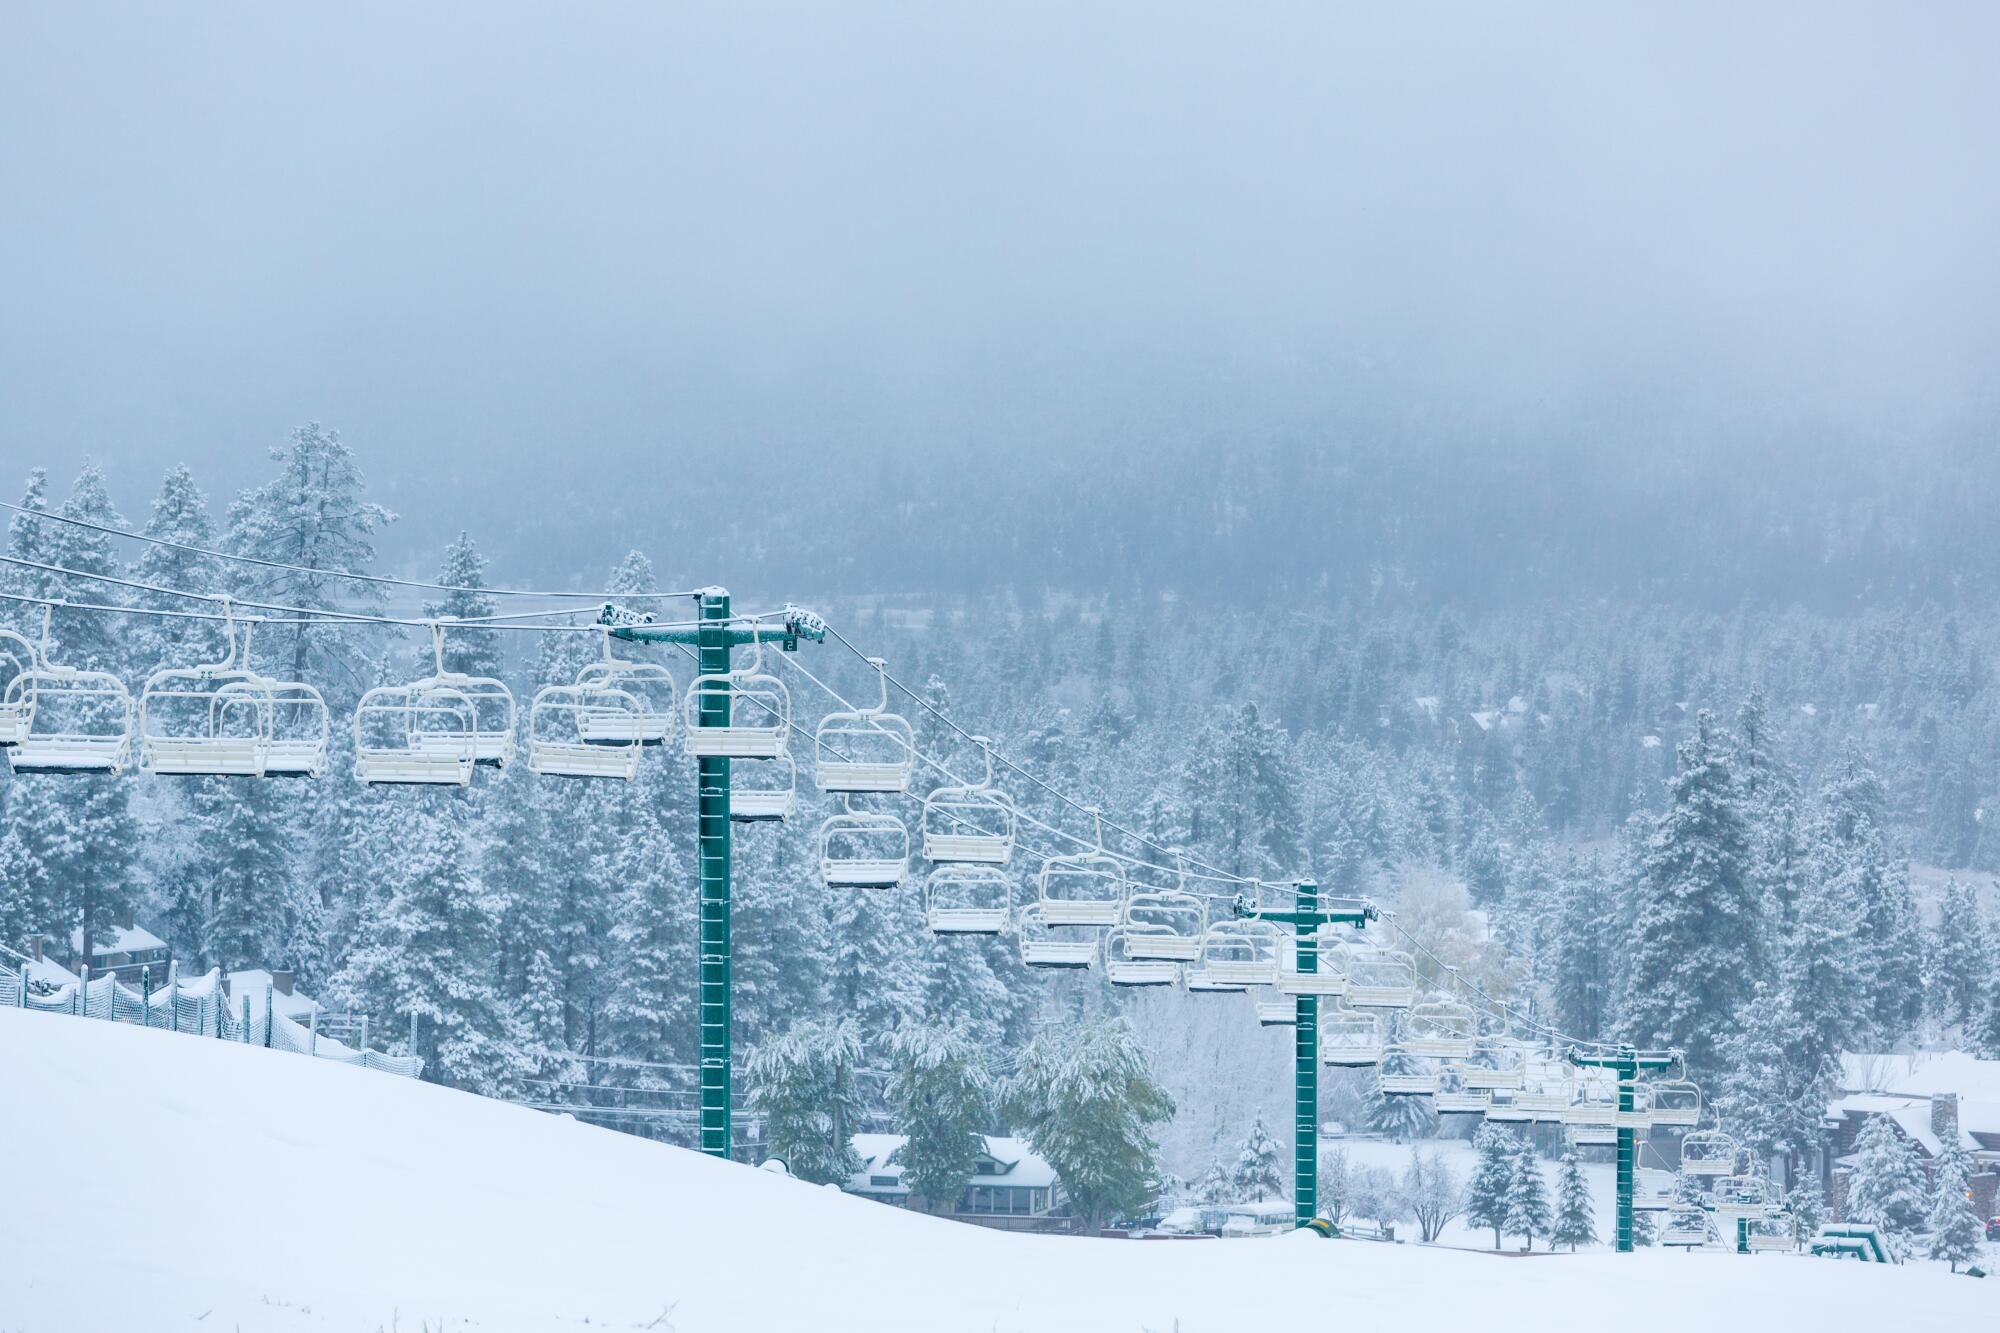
(485, 239)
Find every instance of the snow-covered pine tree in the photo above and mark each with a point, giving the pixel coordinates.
(90, 639)
(802, 1085)
(79, 843)
(430, 946)
(180, 514)
(1868, 881)
(1986, 1032)
(942, 1099)
(1087, 1103)
(874, 977)
(1527, 1195)
(312, 518)
(1962, 962)
(1259, 1173)
(1806, 1203)
(1397, 1117)
(1696, 941)
(1585, 947)
(1645, 1231)
(1492, 1179)
(1576, 1222)
(1212, 1185)
(470, 652)
(1888, 1187)
(1773, 1089)
(31, 538)
(1956, 1233)
(1820, 971)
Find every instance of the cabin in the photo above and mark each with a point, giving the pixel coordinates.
(1012, 1186)
(127, 949)
(1932, 1099)
(285, 997)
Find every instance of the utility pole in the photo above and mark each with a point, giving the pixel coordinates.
(1626, 1063)
(713, 637)
(1305, 920)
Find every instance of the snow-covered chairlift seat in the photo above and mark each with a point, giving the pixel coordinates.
(866, 750)
(420, 734)
(1040, 947)
(1674, 1102)
(863, 849)
(562, 721)
(1494, 1065)
(1277, 1010)
(1350, 1039)
(1685, 1226)
(1082, 888)
(1330, 971)
(207, 720)
(1173, 923)
(968, 899)
(1123, 968)
(77, 720)
(765, 805)
(753, 712)
(17, 658)
(1421, 1082)
(1243, 953)
(1441, 1028)
(1708, 1153)
(1381, 979)
(650, 686)
(974, 822)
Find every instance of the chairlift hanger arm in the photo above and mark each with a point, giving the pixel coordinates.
(638, 627)
(1625, 1060)
(1358, 917)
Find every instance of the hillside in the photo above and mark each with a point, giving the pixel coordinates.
(173, 1183)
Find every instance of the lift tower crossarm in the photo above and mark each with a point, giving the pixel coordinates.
(638, 627)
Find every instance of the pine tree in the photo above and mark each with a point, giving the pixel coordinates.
(89, 639)
(1806, 1203)
(180, 514)
(1576, 1223)
(1962, 957)
(1212, 1185)
(1887, 1188)
(468, 652)
(1492, 1179)
(1774, 1087)
(1527, 1195)
(1645, 1231)
(1696, 939)
(30, 538)
(1956, 1233)
(1399, 1117)
(1585, 946)
(78, 844)
(943, 1101)
(1087, 1103)
(1259, 1172)
(802, 1084)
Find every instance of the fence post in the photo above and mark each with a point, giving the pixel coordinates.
(82, 1006)
(312, 1031)
(413, 1032)
(246, 1018)
(174, 992)
(146, 996)
(364, 1032)
(270, 1020)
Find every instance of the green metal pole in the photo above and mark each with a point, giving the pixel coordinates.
(712, 838)
(1305, 1067)
(1626, 1150)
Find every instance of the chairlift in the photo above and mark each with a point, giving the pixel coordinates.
(1349, 1038)
(1746, 1196)
(750, 712)
(208, 720)
(1545, 1099)
(492, 708)
(1460, 1100)
(1380, 978)
(1708, 1153)
(1404, 1083)
(649, 685)
(415, 734)
(1330, 967)
(1674, 1102)
(1040, 947)
(1590, 1136)
(301, 725)
(76, 720)
(17, 659)
(1276, 1010)
(1083, 888)
(1243, 953)
(1685, 1225)
(761, 804)
(967, 900)
(868, 749)
(863, 849)
(1652, 1190)
(974, 822)
(562, 721)
(1441, 1028)
(1640, 1118)
(1770, 1233)
(1197, 981)
(1495, 1064)
(1505, 1109)
(1123, 968)
(1175, 920)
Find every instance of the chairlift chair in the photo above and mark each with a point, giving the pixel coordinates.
(1590, 1136)
(765, 805)
(77, 721)
(563, 719)
(1545, 1100)
(1747, 1196)
(17, 659)
(1123, 968)
(208, 720)
(1770, 1233)
(1083, 888)
(1441, 1028)
(1685, 1225)
(863, 849)
(1381, 979)
(1674, 1102)
(415, 734)
(1505, 1109)
(1453, 1097)
(1176, 920)
(1350, 1039)
(1708, 1153)
(974, 822)
(1652, 1190)
(753, 712)
(868, 749)
(301, 725)
(649, 685)
(1329, 975)
(1640, 1118)
(1243, 953)
(1276, 1010)
(1420, 1083)
(1198, 982)
(492, 702)
(967, 899)
(1042, 948)
(1494, 1064)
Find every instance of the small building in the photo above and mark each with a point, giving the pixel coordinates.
(127, 949)
(1011, 1184)
(286, 998)
(1931, 1099)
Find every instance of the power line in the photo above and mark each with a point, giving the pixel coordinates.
(383, 579)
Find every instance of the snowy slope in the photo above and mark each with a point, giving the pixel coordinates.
(175, 1183)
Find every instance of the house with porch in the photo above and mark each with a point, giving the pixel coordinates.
(1012, 1186)
(1932, 1099)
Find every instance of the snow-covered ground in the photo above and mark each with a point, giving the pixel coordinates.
(173, 1183)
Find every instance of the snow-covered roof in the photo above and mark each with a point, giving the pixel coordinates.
(254, 981)
(1649, 742)
(123, 939)
(49, 973)
(1921, 1074)
(1485, 720)
(1020, 1164)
